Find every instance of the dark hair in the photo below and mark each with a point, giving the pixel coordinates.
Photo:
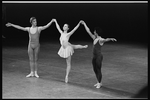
(31, 19)
(98, 30)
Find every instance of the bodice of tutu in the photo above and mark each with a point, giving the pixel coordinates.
(66, 49)
(64, 39)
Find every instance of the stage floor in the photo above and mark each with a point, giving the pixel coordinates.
(124, 70)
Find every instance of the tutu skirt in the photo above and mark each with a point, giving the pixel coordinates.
(65, 52)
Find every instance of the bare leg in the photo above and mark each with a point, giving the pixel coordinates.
(36, 51)
(68, 60)
(30, 53)
(79, 46)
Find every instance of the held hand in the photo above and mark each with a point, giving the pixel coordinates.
(82, 22)
(8, 24)
(54, 20)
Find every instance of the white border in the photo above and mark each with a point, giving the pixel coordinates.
(74, 1)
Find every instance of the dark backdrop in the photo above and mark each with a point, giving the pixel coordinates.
(125, 22)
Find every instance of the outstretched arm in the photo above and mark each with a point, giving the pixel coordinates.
(46, 26)
(88, 30)
(109, 39)
(102, 40)
(57, 26)
(17, 26)
(70, 33)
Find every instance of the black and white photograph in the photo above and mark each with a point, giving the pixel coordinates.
(74, 49)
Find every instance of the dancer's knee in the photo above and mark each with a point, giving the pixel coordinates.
(68, 65)
(36, 59)
(31, 59)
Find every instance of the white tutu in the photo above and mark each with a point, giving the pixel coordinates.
(64, 53)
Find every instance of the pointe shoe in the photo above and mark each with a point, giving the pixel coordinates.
(98, 85)
(36, 75)
(85, 46)
(66, 80)
(31, 74)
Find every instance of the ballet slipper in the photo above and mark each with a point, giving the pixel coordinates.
(98, 85)
(31, 74)
(36, 75)
(85, 46)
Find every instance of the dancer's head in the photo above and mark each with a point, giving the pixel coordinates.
(66, 27)
(97, 31)
(33, 21)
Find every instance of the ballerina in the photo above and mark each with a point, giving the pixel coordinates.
(67, 49)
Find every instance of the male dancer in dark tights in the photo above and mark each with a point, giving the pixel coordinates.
(98, 42)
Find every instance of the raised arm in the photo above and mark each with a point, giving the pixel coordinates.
(88, 30)
(71, 32)
(46, 26)
(57, 26)
(17, 26)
